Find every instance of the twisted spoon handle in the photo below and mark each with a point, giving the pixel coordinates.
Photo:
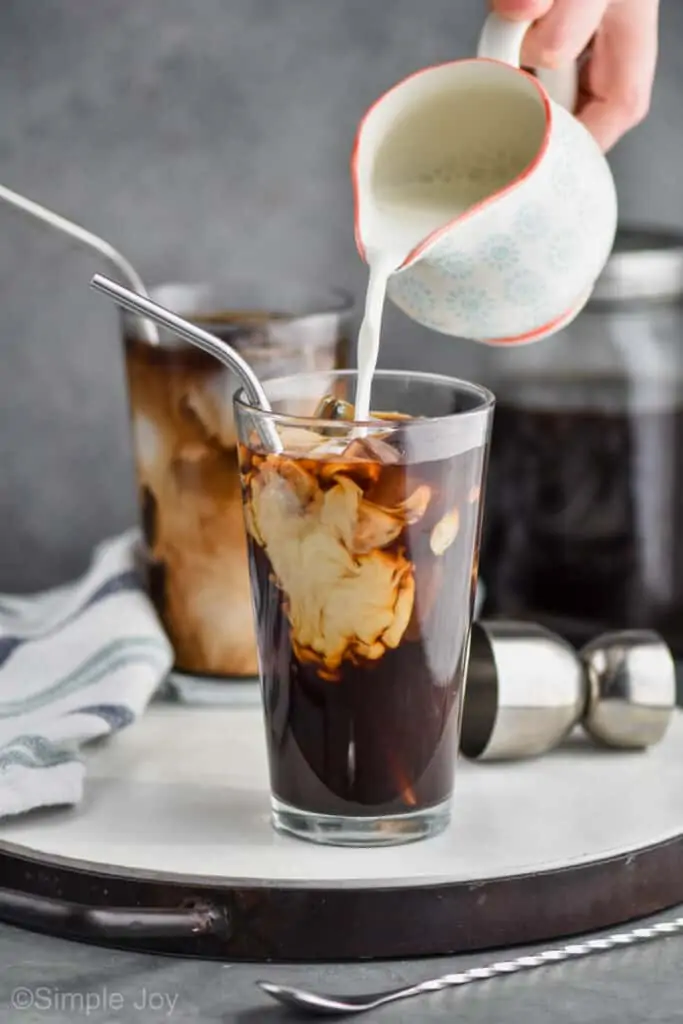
(319, 1004)
(573, 951)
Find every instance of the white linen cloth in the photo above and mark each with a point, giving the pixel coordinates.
(77, 663)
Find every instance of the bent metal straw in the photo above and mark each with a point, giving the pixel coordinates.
(89, 241)
(202, 339)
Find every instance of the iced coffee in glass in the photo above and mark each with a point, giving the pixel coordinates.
(185, 451)
(363, 546)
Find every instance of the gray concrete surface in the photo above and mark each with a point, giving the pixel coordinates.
(211, 139)
(206, 140)
(50, 981)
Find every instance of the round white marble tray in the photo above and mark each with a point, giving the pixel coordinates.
(185, 792)
(180, 800)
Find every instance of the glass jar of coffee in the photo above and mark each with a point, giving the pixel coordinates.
(583, 528)
(184, 437)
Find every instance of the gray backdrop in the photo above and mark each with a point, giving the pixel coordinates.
(204, 138)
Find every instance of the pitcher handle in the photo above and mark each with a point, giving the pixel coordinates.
(502, 40)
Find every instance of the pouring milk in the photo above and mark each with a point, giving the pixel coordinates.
(410, 213)
(481, 138)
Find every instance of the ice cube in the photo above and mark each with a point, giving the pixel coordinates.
(330, 448)
(300, 440)
(445, 531)
(332, 408)
(375, 528)
(149, 442)
(373, 448)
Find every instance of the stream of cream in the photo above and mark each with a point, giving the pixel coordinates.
(403, 216)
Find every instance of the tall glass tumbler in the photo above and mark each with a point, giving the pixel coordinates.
(185, 441)
(363, 546)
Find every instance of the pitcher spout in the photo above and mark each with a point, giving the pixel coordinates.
(440, 145)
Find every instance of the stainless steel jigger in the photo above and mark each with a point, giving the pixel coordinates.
(527, 689)
(631, 680)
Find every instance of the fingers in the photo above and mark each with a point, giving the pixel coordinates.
(563, 33)
(521, 10)
(621, 71)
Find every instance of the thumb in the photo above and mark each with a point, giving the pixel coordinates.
(521, 10)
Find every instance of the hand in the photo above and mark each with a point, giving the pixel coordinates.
(617, 76)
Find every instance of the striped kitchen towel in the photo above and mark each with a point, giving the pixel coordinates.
(76, 663)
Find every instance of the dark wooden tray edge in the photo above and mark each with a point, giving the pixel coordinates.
(234, 921)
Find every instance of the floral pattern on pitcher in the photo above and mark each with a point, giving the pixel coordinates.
(525, 287)
(456, 265)
(530, 221)
(475, 303)
(564, 179)
(562, 250)
(413, 291)
(501, 252)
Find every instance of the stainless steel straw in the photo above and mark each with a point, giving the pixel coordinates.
(202, 339)
(89, 241)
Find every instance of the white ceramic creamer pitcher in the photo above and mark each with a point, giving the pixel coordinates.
(495, 206)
